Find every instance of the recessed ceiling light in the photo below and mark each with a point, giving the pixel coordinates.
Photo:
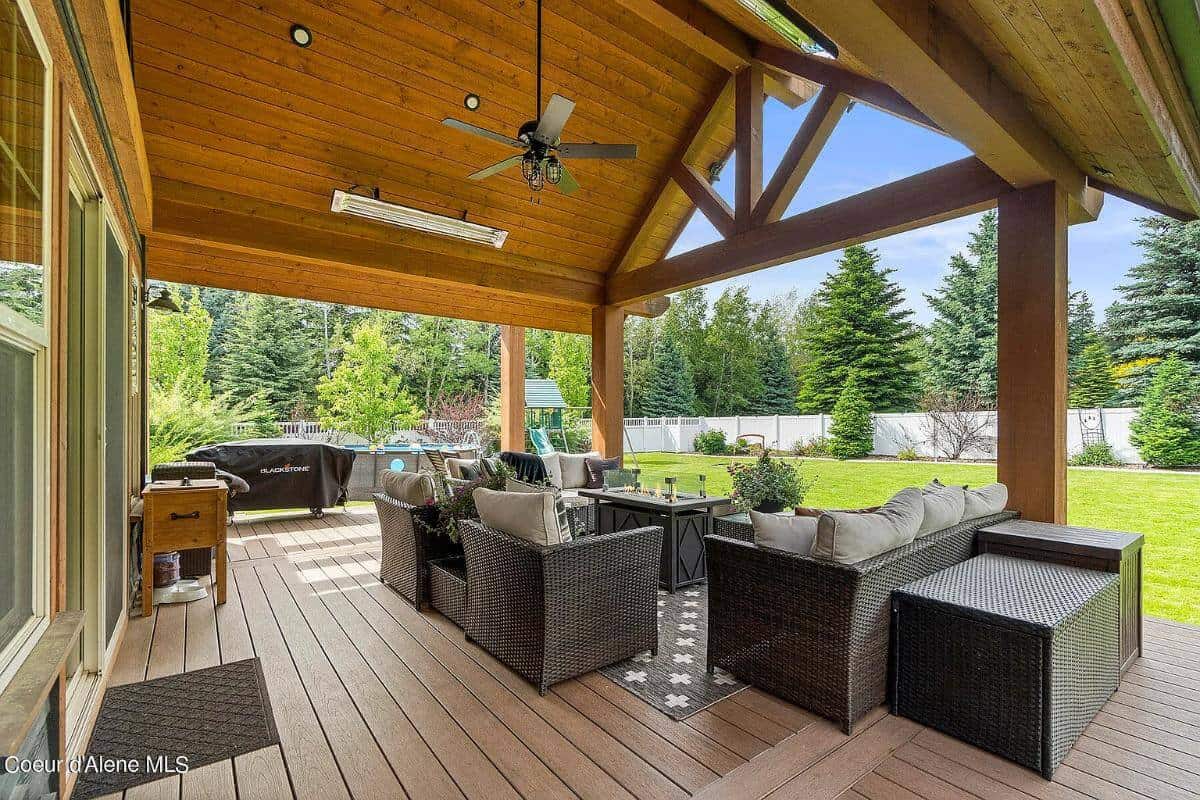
(471, 102)
(301, 35)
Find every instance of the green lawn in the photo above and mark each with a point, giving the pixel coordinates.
(1164, 507)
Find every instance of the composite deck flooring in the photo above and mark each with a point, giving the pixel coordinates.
(374, 701)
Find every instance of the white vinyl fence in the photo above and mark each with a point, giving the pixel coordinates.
(893, 432)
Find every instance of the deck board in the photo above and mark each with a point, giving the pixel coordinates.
(374, 699)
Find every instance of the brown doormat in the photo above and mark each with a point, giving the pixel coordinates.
(148, 730)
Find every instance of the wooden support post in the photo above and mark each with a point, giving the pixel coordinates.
(1031, 388)
(748, 128)
(512, 388)
(608, 381)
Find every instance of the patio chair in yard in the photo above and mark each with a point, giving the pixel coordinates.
(554, 612)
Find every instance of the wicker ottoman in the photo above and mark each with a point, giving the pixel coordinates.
(1010, 655)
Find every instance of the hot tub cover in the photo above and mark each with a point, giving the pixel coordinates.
(283, 473)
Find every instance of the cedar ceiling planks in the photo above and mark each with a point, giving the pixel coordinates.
(234, 113)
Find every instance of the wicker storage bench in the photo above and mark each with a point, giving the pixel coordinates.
(1011, 655)
(448, 588)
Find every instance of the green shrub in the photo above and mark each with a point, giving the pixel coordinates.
(711, 443)
(853, 431)
(816, 447)
(180, 421)
(767, 480)
(1167, 429)
(1096, 454)
(908, 453)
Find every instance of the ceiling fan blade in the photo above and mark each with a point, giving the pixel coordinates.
(499, 166)
(593, 150)
(557, 112)
(484, 132)
(567, 183)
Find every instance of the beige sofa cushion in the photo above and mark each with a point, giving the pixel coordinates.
(789, 532)
(849, 537)
(554, 469)
(533, 516)
(454, 466)
(573, 469)
(943, 508)
(414, 488)
(985, 500)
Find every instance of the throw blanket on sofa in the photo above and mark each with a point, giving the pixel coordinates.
(528, 467)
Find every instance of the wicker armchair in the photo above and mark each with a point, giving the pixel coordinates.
(581, 510)
(408, 543)
(816, 632)
(553, 613)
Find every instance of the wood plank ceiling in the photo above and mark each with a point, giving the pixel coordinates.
(248, 134)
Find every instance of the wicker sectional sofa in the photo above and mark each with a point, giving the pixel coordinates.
(816, 632)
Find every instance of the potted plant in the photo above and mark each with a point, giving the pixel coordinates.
(767, 484)
(459, 502)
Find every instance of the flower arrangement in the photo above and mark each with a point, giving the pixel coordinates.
(458, 503)
(767, 484)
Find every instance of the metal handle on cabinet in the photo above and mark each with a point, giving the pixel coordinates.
(193, 515)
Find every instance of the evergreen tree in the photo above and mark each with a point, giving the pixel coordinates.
(961, 341)
(774, 371)
(727, 379)
(670, 391)
(1159, 310)
(1167, 429)
(859, 325)
(686, 321)
(852, 434)
(269, 353)
(1093, 385)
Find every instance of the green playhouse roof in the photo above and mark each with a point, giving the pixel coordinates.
(543, 393)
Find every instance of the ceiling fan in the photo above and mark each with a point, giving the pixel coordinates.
(541, 161)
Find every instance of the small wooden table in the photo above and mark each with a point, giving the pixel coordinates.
(685, 522)
(182, 516)
(1089, 548)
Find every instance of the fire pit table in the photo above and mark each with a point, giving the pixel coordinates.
(685, 521)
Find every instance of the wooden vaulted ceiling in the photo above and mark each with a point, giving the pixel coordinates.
(246, 135)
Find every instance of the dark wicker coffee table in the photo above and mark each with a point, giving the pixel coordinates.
(1011, 655)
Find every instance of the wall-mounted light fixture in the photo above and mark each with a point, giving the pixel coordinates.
(159, 298)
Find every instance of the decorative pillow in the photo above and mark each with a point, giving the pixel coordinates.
(487, 467)
(561, 503)
(554, 469)
(848, 537)
(414, 488)
(469, 472)
(596, 467)
(573, 469)
(789, 532)
(533, 516)
(985, 500)
(943, 508)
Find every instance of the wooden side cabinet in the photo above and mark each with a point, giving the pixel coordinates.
(179, 516)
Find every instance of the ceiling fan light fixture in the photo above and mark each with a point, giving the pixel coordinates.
(553, 170)
(415, 219)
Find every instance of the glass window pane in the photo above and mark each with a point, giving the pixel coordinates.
(22, 120)
(16, 489)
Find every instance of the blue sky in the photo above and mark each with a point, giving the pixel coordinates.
(869, 148)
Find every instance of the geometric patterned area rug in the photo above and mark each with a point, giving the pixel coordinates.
(676, 681)
(144, 729)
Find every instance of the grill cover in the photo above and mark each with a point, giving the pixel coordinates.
(283, 473)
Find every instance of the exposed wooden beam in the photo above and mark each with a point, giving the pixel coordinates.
(827, 73)
(921, 54)
(1138, 200)
(512, 388)
(822, 117)
(254, 234)
(608, 381)
(705, 197)
(1171, 119)
(748, 144)
(961, 187)
(1031, 351)
(654, 307)
(698, 27)
(699, 132)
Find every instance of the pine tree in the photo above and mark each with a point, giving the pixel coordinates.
(778, 382)
(859, 325)
(1092, 385)
(270, 353)
(1167, 429)
(670, 391)
(852, 434)
(1159, 310)
(961, 340)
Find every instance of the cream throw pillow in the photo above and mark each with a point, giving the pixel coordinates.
(572, 469)
(943, 508)
(414, 488)
(532, 516)
(985, 500)
(784, 531)
(554, 469)
(848, 537)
